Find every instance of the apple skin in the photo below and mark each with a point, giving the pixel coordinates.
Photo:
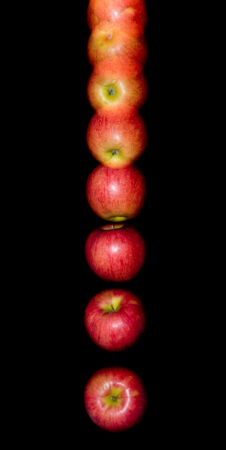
(116, 194)
(115, 252)
(115, 398)
(111, 39)
(117, 80)
(121, 11)
(115, 319)
(117, 136)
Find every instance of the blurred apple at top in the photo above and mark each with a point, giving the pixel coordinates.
(112, 39)
(122, 11)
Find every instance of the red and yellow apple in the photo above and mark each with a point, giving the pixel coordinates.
(122, 11)
(116, 194)
(117, 136)
(115, 252)
(117, 80)
(115, 398)
(111, 39)
(115, 319)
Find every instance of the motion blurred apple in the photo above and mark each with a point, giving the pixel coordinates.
(115, 252)
(111, 39)
(116, 194)
(115, 319)
(122, 11)
(115, 398)
(117, 136)
(116, 80)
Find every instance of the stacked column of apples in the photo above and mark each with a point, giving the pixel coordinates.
(115, 397)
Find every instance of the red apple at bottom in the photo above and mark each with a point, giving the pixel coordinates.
(116, 194)
(115, 252)
(115, 398)
(115, 319)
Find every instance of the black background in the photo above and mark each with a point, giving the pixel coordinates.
(63, 354)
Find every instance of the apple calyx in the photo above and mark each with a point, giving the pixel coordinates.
(112, 226)
(111, 91)
(114, 152)
(114, 397)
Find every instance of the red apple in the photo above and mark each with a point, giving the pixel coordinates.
(122, 11)
(111, 39)
(115, 319)
(115, 398)
(117, 80)
(116, 194)
(117, 136)
(115, 252)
